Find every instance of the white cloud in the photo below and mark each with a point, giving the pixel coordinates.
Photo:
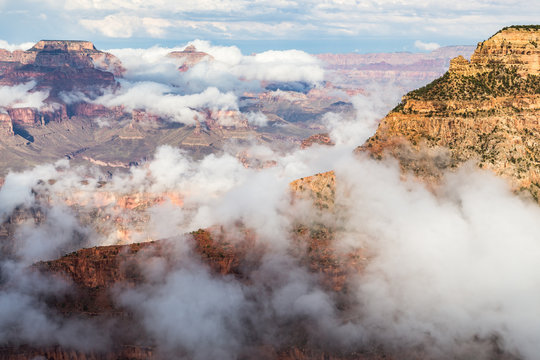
(426, 46)
(176, 7)
(23, 95)
(126, 26)
(257, 118)
(226, 68)
(289, 20)
(288, 65)
(11, 47)
(161, 100)
(444, 266)
(370, 109)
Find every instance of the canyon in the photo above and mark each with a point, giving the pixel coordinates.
(114, 137)
(483, 110)
(85, 131)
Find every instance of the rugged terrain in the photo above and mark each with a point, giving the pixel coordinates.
(485, 110)
(114, 137)
(95, 273)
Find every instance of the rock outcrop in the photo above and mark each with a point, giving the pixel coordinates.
(320, 139)
(60, 66)
(319, 188)
(486, 110)
(56, 52)
(6, 125)
(55, 66)
(189, 57)
(95, 271)
(513, 47)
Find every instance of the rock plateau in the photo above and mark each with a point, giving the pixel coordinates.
(485, 110)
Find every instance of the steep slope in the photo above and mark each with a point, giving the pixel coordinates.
(60, 65)
(96, 272)
(485, 110)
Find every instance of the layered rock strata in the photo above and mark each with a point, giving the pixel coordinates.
(486, 110)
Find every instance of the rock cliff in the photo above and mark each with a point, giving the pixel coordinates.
(95, 271)
(319, 188)
(321, 139)
(485, 110)
(6, 125)
(55, 66)
(60, 65)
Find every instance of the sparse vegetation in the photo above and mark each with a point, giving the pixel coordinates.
(499, 81)
(520, 27)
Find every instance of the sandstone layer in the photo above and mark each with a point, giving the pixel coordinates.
(486, 110)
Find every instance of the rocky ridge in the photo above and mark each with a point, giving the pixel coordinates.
(113, 137)
(94, 272)
(485, 110)
(189, 57)
(54, 66)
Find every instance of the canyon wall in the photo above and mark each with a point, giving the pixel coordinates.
(486, 110)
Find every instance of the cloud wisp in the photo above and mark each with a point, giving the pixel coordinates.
(22, 95)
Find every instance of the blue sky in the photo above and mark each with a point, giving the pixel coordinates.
(258, 25)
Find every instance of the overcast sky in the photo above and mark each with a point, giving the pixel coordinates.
(256, 25)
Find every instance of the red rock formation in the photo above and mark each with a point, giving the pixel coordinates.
(25, 116)
(88, 54)
(321, 139)
(17, 56)
(33, 117)
(57, 113)
(125, 352)
(6, 126)
(485, 110)
(141, 116)
(189, 57)
(59, 65)
(90, 110)
(94, 271)
(64, 45)
(249, 161)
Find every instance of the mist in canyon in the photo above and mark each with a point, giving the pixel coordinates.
(447, 269)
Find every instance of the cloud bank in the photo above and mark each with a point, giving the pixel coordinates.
(448, 272)
(347, 25)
